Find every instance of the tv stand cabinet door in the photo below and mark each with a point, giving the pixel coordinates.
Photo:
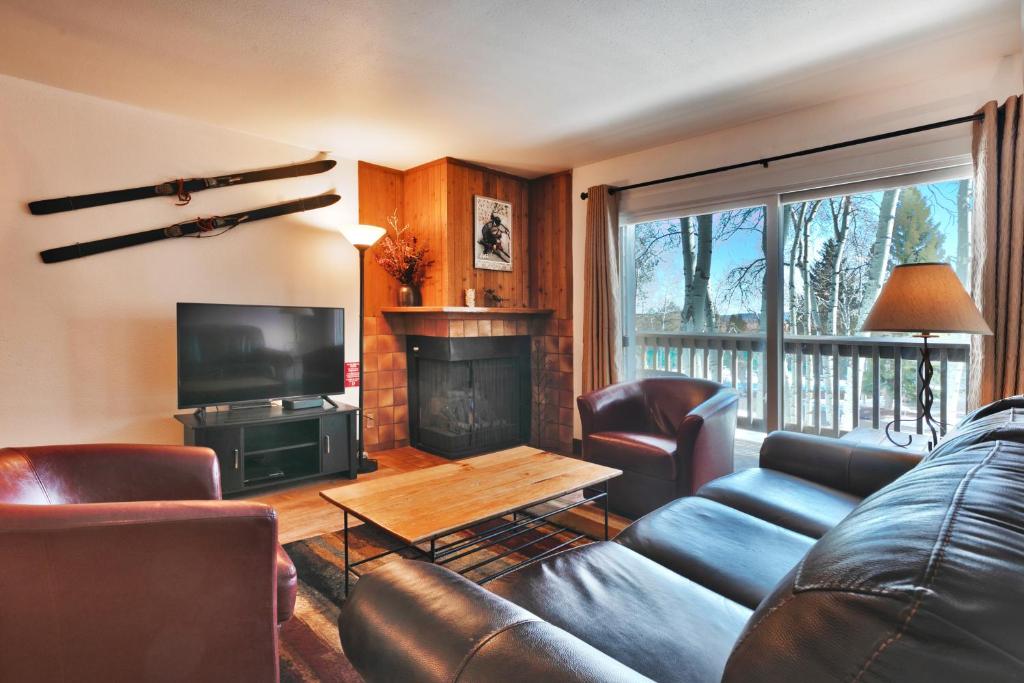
(336, 452)
(227, 444)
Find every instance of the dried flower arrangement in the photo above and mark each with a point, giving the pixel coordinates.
(401, 255)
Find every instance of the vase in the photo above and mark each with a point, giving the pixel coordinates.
(409, 296)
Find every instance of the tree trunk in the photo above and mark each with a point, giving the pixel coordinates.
(762, 322)
(879, 266)
(962, 229)
(686, 239)
(811, 317)
(698, 304)
(841, 227)
(790, 222)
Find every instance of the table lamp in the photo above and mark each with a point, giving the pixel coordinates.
(924, 298)
(362, 237)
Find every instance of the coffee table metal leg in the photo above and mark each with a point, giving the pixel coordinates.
(433, 550)
(606, 510)
(347, 569)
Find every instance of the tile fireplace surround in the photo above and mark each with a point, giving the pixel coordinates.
(385, 378)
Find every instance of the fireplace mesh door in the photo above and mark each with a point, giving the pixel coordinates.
(445, 405)
(497, 402)
(471, 406)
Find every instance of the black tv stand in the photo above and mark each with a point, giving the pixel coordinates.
(269, 445)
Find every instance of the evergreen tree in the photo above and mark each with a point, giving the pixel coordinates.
(820, 277)
(916, 238)
(824, 279)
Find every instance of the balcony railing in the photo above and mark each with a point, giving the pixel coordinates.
(831, 384)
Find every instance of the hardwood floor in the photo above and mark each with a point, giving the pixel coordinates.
(302, 513)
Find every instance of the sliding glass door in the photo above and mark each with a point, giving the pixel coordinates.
(703, 292)
(695, 304)
(839, 250)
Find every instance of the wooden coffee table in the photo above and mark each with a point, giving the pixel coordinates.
(422, 507)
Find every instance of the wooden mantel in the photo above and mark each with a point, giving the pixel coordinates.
(465, 311)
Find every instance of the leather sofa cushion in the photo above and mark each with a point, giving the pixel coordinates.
(1004, 425)
(730, 552)
(921, 583)
(631, 608)
(649, 454)
(287, 586)
(992, 408)
(796, 504)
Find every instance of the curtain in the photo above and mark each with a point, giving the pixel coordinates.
(602, 338)
(997, 278)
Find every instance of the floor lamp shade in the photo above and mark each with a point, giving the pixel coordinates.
(360, 235)
(925, 298)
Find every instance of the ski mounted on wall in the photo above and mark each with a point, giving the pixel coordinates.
(182, 189)
(200, 227)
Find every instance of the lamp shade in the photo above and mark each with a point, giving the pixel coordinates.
(925, 297)
(362, 235)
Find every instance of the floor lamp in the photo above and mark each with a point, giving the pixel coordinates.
(362, 237)
(924, 298)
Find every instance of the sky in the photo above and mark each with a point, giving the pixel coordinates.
(745, 246)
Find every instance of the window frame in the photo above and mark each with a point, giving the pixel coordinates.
(774, 258)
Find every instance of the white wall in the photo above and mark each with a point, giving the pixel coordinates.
(87, 347)
(944, 96)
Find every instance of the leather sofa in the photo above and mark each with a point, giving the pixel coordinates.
(121, 563)
(668, 435)
(830, 561)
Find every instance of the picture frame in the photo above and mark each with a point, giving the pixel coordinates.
(493, 234)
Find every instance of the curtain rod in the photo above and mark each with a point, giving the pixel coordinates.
(804, 152)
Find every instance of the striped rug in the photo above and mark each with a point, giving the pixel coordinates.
(310, 648)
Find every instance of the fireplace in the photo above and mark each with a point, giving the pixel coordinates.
(468, 395)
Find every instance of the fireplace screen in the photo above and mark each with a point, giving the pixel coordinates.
(468, 406)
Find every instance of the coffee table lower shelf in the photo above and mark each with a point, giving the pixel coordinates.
(523, 521)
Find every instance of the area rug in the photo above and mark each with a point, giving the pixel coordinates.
(310, 648)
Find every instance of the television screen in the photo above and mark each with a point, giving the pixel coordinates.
(233, 353)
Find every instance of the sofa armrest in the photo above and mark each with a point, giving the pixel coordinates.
(705, 441)
(413, 621)
(847, 466)
(139, 591)
(117, 472)
(619, 407)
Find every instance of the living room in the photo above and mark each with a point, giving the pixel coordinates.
(543, 341)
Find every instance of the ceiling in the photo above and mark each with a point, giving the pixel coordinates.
(530, 86)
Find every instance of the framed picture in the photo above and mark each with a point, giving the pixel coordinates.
(492, 234)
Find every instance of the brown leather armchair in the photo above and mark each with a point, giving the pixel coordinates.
(668, 435)
(120, 562)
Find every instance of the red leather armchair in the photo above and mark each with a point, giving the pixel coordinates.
(120, 562)
(668, 435)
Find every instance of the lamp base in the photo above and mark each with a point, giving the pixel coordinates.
(367, 464)
(925, 398)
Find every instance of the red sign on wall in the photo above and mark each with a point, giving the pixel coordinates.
(351, 375)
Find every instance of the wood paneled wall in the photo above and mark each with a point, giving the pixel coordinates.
(551, 243)
(436, 201)
(551, 287)
(425, 208)
(381, 192)
(464, 182)
(438, 204)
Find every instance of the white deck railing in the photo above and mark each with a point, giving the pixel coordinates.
(832, 384)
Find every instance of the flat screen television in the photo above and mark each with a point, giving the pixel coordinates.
(231, 353)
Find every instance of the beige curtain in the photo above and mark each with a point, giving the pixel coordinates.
(997, 278)
(602, 338)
